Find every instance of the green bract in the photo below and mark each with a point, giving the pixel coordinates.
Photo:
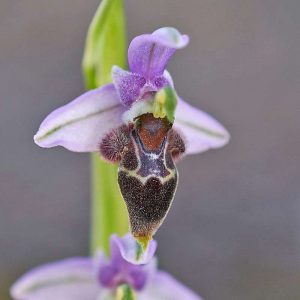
(105, 44)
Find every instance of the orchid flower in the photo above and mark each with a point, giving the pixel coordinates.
(84, 278)
(130, 123)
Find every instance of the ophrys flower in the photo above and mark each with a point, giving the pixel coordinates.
(99, 278)
(133, 122)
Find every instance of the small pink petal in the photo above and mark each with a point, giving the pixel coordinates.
(128, 85)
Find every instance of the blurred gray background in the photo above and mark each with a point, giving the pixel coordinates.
(234, 229)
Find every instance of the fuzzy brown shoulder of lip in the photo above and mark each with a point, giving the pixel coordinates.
(152, 131)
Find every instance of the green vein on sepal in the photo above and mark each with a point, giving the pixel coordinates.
(202, 129)
(58, 127)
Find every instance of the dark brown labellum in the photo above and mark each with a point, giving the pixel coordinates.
(146, 151)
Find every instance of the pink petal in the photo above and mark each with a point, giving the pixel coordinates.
(80, 125)
(133, 86)
(200, 131)
(69, 279)
(128, 85)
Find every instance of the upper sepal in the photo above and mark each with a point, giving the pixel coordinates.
(80, 125)
(128, 248)
(148, 54)
(127, 264)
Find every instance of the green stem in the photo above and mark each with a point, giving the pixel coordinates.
(109, 213)
(105, 46)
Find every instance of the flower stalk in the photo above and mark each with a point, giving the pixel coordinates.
(105, 46)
